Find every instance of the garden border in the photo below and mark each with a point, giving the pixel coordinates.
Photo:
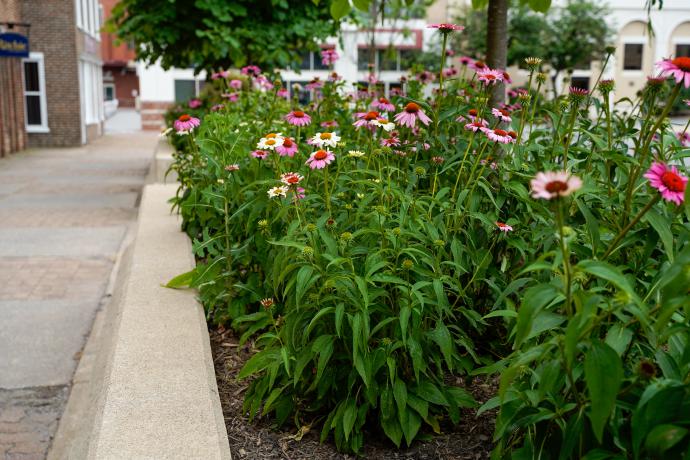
(146, 387)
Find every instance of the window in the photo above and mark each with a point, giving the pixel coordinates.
(632, 56)
(108, 91)
(36, 115)
(184, 90)
(89, 16)
(580, 82)
(312, 61)
(387, 59)
(682, 49)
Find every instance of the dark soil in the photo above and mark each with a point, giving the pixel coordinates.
(471, 439)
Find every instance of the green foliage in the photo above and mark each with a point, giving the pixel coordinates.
(370, 299)
(564, 37)
(217, 34)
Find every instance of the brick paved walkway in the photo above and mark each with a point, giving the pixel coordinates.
(63, 216)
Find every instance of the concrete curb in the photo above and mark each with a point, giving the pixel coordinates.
(147, 384)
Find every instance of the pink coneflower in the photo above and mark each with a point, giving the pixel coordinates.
(450, 53)
(320, 159)
(678, 68)
(291, 178)
(219, 74)
(284, 93)
(683, 138)
(499, 135)
(194, 103)
(235, 83)
(450, 72)
(425, 77)
(504, 227)
(231, 97)
(298, 118)
(383, 104)
(333, 76)
(329, 124)
(363, 119)
(446, 28)
(478, 65)
(299, 193)
(408, 117)
(251, 70)
(392, 141)
(288, 148)
(477, 125)
(217, 107)
(260, 154)
(554, 184)
(489, 76)
(466, 60)
(329, 56)
(232, 167)
(506, 77)
(501, 114)
(372, 79)
(185, 124)
(668, 181)
(316, 83)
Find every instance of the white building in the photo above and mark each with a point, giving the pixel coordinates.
(397, 41)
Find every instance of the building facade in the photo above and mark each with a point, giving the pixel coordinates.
(120, 80)
(59, 84)
(396, 42)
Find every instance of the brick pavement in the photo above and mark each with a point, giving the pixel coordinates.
(63, 215)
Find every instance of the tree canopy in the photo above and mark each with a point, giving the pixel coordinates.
(214, 34)
(564, 38)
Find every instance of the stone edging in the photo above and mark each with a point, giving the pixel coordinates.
(148, 389)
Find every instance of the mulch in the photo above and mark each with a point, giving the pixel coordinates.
(469, 440)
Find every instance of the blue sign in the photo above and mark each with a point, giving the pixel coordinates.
(14, 45)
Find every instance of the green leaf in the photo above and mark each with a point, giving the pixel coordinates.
(542, 6)
(181, 281)
(349, 416)
(400, 394)
(340, 9)
(603, 376)
(611, 274)
(536, 298)
(663, 437)
(663, 228)
(441, 335)
(391, 427)
(362, 5)
(619, 338)
(404, 318)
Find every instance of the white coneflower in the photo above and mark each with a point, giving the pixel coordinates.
(325, 139)
(277, 191)
(355, 153)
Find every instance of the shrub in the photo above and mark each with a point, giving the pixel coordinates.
(436, 248)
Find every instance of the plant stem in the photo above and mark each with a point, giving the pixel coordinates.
(566, 258)
(627, 228)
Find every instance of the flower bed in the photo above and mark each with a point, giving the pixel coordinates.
(373, 250)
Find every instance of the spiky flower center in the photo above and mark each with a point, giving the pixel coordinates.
(185, 117)
(556, 186)
(298, 114)
(412, 108)
(683, 63)
(371, 116)
(673, 181)
(326, 136)
(320, 155)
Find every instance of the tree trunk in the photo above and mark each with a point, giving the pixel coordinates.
(497, 43)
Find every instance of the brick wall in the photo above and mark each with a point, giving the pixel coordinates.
(125, 83)
(53, 32)
(152, 114)
(12, 131)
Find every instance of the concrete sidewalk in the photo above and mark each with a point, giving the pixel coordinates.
(63, 216)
